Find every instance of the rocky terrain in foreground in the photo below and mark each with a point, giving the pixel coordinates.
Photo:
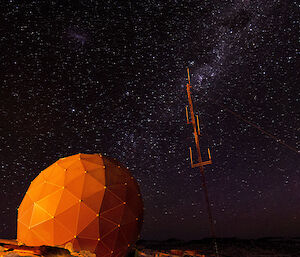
(230, 247)
(11, 248)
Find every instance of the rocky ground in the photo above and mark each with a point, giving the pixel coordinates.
(10, 248)
(231, 247)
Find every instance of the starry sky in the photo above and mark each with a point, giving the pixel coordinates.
(109, 77)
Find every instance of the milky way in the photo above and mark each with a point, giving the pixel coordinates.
(87, 76)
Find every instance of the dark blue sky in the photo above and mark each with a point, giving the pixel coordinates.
(86, 76)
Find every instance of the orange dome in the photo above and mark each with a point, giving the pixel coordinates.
(86, 199)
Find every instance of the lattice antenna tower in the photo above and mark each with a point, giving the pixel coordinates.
(195, 122)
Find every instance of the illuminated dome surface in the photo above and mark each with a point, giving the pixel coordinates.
(89, 200)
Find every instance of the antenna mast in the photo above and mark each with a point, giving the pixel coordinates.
(195, 122)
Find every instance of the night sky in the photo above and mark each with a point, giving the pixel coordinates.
(109, 77)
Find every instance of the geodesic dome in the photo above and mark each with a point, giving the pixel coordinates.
(89, 200)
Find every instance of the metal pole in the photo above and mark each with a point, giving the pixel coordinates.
(196, 137)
